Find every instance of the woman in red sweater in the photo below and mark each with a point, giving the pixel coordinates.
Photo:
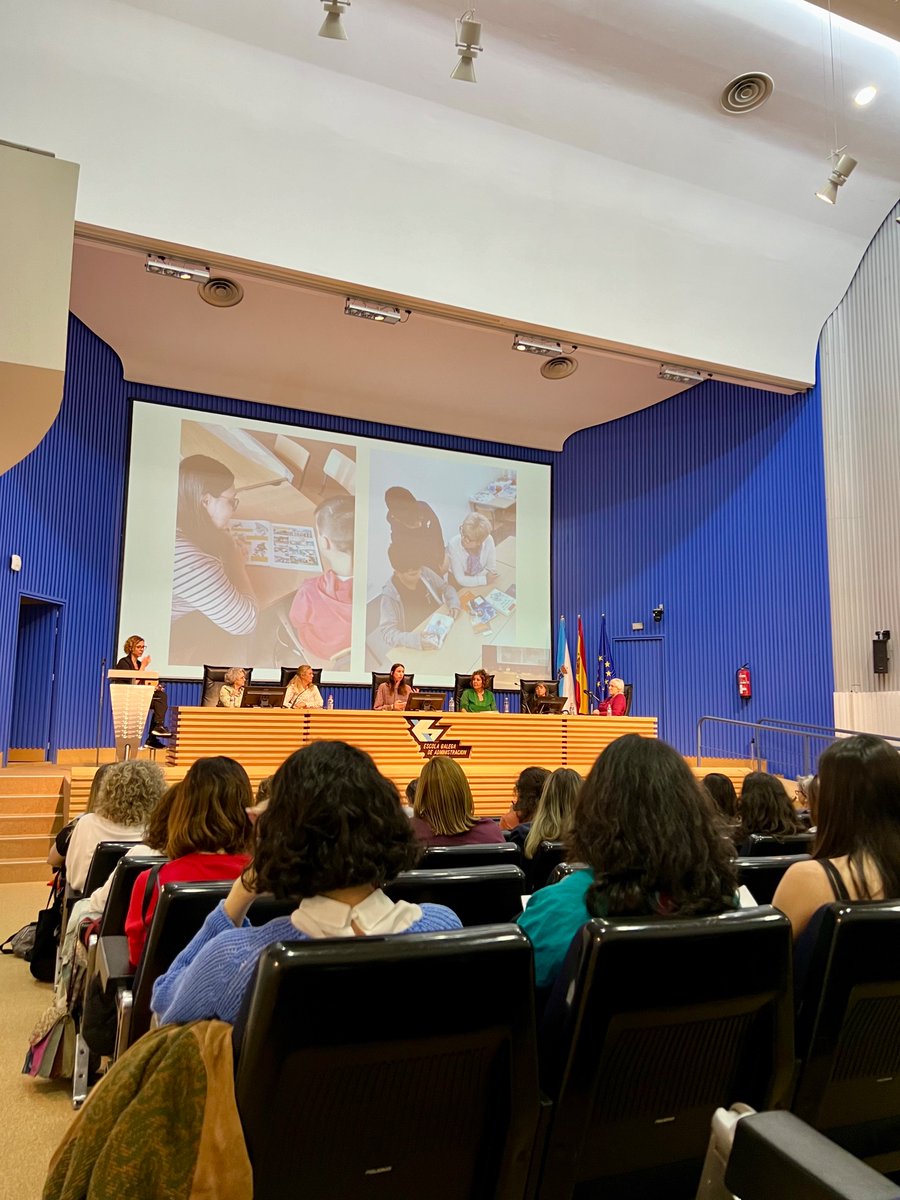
(204, 832)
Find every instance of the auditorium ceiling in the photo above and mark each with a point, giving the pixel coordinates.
(596, 191)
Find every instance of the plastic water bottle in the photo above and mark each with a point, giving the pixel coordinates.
(506, 703)
(451, 707)
(330, 701)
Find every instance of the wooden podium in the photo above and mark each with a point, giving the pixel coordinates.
(491, 747)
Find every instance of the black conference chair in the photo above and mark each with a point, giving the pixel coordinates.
(546, 859)
(465, 681)
(760, 844)
(628, 693)
(380, 677)
(451, 858)
(652, 1025)
(347, 1089)
(103, 862)
(762, 875)
(478, 896)
(180, 911)
(288, 673)
(776, 1156)
(213, 678)
(848, 1032)
(526, 691)
(563, 869)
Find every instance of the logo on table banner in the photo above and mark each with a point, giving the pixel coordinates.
(428, 733)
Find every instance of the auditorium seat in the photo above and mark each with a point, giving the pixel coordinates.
(547, 857)
(488, 855)
(628, 693)
(478, 896)
(762, 875)
(391, 1068)
(465, 681)
(651, 1026)
(213, 678)
(103, 862)
(759, 844)
(848, 1031)
(380, 677)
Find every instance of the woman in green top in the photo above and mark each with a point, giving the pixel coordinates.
(478, 698)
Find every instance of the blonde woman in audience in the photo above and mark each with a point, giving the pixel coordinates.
(444, 809)
(856, 852)
(553, 818)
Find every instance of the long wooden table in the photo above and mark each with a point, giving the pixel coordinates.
(491, 747)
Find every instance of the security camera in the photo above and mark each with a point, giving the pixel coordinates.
(658, 613)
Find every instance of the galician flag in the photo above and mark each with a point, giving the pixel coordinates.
(581, 683)
(564, 667)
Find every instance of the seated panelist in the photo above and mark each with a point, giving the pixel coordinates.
(135, 659)
(394, 693)
(478, 697)
(302, 692)
(231, 693)
(616, 704)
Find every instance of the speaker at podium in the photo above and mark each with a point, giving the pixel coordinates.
(130, 708)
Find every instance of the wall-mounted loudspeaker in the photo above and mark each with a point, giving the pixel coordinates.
(880, 656)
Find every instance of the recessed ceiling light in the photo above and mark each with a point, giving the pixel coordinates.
(372, 310)
(536, 345)
(865, 95)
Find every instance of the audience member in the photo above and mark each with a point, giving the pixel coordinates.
(806, 799)
(527, 790)
(411, 797)
(263, 795)
(332, 837)
(60, 848)
(553, 818)
(856, 852)
(444, 810)
(128, 793)
(765, 809)
(205, 837)
(724, 796)
(652, 844)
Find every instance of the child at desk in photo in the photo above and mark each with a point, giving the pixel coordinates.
(411, 595)
(473, 555)
(321, 612)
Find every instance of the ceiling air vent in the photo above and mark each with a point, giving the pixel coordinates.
(560, 367)
(221, 293)
(746, 93)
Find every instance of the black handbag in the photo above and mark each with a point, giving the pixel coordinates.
(42, 959)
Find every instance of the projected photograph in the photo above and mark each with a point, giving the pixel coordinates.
(263, 548)
(441, 564)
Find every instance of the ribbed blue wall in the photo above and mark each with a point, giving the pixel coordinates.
(711, 503)
(62, 509)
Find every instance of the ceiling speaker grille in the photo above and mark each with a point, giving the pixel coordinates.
(221, 293)
(746, 93)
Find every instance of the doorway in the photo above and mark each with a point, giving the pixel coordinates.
(639, 661)
(32, 733)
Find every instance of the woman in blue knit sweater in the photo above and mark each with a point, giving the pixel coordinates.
(331, 837)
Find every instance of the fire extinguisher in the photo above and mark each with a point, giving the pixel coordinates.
(744, 684)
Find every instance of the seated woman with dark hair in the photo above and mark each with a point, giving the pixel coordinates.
(445, 811)
(332, 836)
(856, 852)
(204, 832)
(527, 789)
(765, 809)
(724, 796)
(653, 846)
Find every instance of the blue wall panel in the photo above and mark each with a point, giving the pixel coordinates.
(711, 503)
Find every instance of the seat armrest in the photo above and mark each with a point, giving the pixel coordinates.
(113, 964)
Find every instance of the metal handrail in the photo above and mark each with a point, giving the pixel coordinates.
(829, 730)
(743, 725)
(801, 729)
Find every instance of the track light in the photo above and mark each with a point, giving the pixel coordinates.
(680, 374)
(158, 264)
(372, 310)
(840, 173)
(536, 345)
(468, 37)
(333, 25)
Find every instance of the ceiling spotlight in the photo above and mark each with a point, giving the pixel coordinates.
(333, 25)
(468, 38)
(372, 310)
(865, 95)
(158, 264)
(680, 374)
(840, 173)
(536, 345)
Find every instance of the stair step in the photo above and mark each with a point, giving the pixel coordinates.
(32, 824)
(25, 870)
(32, 784)
(25, 846)
(15, 805)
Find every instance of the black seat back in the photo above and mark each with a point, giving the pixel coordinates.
(547, 857)
(106, 855)
(762, 875)
(213, 678)
(651, 1026)
(112, 923)
(288, 673)
(391, 1068)
(180, 911)
(848, 1031)
(762, 844)
(561, 870)
(380, 677)
(465, 681)
(450, 858)
(478, 895)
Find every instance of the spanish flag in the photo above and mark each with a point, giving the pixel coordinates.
(581, 683)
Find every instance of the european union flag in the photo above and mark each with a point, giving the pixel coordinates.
(605, 669)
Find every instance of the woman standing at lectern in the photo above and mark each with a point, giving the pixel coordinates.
(135, 659)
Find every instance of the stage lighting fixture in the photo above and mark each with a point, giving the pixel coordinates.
(680, 374)
(468, 38)
(333, 25)
(159, 264)
(536, 345)
(372, 310)
(840, 173)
